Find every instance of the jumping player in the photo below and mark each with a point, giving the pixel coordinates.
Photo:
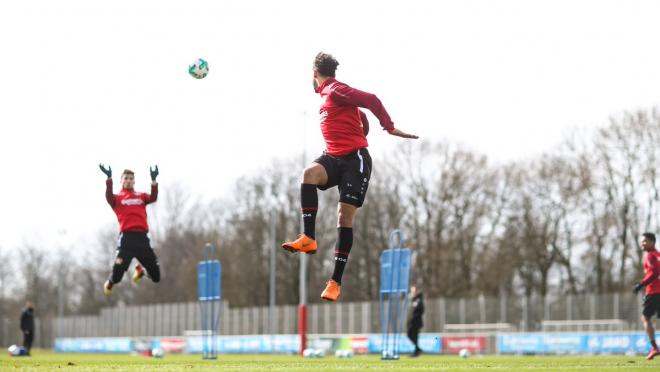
(345, 163)
(651, 281)
(130, 207)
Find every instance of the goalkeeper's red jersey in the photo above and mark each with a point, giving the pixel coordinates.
(652, 272)
(343, 125)
(130, 207)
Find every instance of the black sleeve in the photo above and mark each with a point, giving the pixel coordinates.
(24, 321)
(419, 309)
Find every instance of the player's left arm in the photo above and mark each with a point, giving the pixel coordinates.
(153, 196)
(345, 95)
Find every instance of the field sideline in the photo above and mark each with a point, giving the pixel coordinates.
(46, 360)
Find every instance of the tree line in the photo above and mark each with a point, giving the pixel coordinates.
(565, 222)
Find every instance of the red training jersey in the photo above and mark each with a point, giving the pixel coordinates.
(652, 272)
(130, 207)
(343, 125)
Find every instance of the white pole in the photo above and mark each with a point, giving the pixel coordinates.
(303, 279)
(616, 306)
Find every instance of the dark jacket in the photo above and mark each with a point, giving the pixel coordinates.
(417, 312)
(27, 320)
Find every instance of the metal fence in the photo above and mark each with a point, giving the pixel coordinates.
(442, 315)
(10, 332)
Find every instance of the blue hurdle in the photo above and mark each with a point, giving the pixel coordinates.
(209, 295)
(394, 284)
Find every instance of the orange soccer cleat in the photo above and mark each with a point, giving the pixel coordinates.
(332, 291)
(107, 288)
(303, 244)
(654, 352)
(138, 273)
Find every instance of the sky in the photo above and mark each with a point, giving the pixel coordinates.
(84, 82)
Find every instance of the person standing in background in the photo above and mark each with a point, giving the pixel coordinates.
(415, 322)
(27, 326)
(651, 282)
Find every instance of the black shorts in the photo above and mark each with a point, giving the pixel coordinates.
(351, 173)
(651, 305)
(134, 245)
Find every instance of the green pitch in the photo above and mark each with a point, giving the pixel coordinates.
(48, 361)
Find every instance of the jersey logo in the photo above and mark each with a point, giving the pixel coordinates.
(132, 202)
(324, 115)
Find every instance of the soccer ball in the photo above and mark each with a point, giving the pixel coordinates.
(15, 350)
(158, 352)
(308, 353)
(199, 69)
(313, 353)
(464, 353)
(344, 354)
(387, 354)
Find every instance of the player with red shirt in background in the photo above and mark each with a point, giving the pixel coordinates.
(651, 281)
(130, 207)
(345, 163)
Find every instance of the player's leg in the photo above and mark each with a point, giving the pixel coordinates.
(651, 306)
(418, 350)
(345, 217)
(353, 185)
(413, 335)
(27, 341)
(650, 332)
(313, 176)
(122, 261)
(147, 257)
(318, 175)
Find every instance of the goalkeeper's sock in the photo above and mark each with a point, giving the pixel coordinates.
(309, 202)
(342, 250)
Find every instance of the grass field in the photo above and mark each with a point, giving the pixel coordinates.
(48, 361)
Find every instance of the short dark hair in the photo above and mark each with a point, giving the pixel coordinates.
(128, 171)
(649, 236)
(325, 64)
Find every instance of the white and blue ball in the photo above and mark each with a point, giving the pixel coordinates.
(308, 353)
(15, 350)
(464, 353)
(157, 352)
(199, 68)
(344, 354)
(313, 353)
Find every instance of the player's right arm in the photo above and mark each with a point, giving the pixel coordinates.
(109, 196)
(23, 321)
